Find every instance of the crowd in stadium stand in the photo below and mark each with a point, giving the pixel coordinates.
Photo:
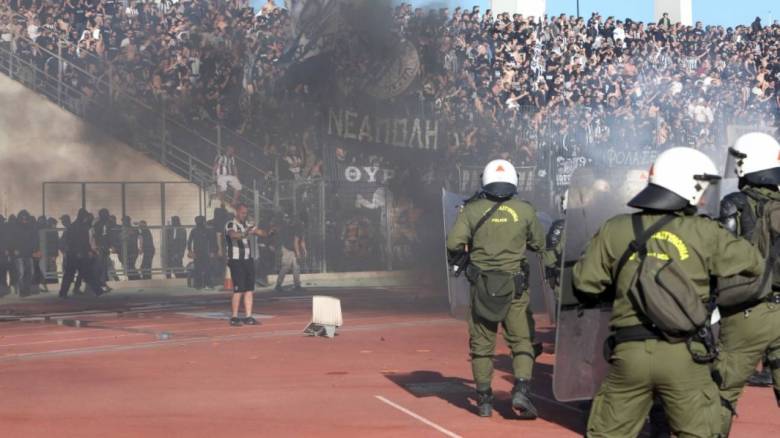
(502, 85)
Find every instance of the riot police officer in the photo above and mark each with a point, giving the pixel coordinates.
(645, 360)
(751, 331)
(494, 230)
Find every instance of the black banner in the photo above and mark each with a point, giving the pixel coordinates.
(387, 133)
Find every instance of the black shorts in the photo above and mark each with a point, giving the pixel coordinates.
(243, 274)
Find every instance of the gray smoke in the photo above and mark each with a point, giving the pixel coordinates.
(40, 142)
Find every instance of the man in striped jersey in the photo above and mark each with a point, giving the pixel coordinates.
(242, 267)
(226, 174)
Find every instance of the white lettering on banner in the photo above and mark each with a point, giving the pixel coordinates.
(352, 174)
(368, 174)
(412, 133)
(620, 158)
(566, 167)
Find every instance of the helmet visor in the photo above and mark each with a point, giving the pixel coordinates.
(768, 177)
(655, 197)
(500, 189)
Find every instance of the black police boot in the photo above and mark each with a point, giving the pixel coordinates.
(521, 400)
(761, 378)
(485, 403)
(538, 349)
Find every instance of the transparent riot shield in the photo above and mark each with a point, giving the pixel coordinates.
(457, 287)
(595, 195)
(542, 296)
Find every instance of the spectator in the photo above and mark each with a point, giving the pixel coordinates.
(665, 21)
(130, 247)
(291, 249)
(102, 232)
(52, 251)
(80, 255)
(147, 250)
(226, 175)
(202, 249)
(25, 245)
(241, 264)
(5, 256)
(176, 246)
(63, 246)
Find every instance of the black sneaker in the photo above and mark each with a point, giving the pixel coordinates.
(250, 321)
(278, 289)
(235, 322)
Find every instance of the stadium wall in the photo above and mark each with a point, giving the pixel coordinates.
(40, 142)
(679, 10)
(534, 8)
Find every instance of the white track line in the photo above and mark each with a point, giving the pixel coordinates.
(418, 417)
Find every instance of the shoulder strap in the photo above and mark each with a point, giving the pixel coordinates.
(484, 219)
(641, 236)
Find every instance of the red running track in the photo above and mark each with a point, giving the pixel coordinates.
(398, 368)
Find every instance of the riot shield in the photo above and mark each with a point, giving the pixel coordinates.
(595, 195)
(457, 287)
(542, 296)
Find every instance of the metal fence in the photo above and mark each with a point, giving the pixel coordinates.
(152, 201)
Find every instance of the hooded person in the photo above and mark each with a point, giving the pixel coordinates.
(79, 255)
(5, 255)
(51, 237)
(176, 247)
(128, 254)
(661, 347)
(101, 233)
(202, 249)
(146, 244)
(25, 243)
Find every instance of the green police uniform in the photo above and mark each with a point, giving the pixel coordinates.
(640, 369)
(500, 246)
(749, 332)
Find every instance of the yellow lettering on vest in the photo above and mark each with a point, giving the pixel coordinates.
(508, 210)
(682, 249)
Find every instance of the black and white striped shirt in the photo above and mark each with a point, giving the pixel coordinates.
(226, 166)
(237, 249)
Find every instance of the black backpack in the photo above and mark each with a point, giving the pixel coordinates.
(765, 235)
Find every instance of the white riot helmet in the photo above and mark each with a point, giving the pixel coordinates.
(499, 179)
(678, 179)
(757, 157)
